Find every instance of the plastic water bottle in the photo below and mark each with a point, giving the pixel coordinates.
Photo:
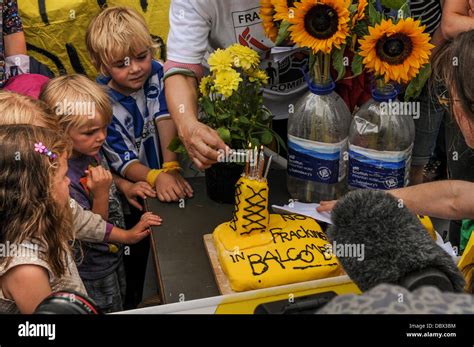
(317, 143)
(381, 140)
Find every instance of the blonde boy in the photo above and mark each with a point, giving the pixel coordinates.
(122, 50)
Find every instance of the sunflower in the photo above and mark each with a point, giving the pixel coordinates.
(283, 9)
(227, 81)
(220, 60)
(396, 51)
(244, 57)
(267, 11)
(320, 25)
(360, 14)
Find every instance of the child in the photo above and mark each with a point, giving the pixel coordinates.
(83, 112)
(121, 49)
(35, 219)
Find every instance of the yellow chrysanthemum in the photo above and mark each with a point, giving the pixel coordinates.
(267, 11)
(320, 25)
(258, 75)
(204, 85)
(396, 51)
(244, 57)
(360, 14)
(226, 82)
(220, 60)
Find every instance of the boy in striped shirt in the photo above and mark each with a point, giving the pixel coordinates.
(121, 49)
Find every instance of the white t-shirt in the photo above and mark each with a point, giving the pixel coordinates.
(198, 27)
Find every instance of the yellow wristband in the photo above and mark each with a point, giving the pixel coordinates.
(152, 176)
(171, 165)
(154, 173)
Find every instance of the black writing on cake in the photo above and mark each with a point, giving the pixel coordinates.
(301, 233)
(260, 264)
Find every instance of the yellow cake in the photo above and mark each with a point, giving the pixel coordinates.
(259, 250)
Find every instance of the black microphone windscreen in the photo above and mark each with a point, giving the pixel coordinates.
(394, 241)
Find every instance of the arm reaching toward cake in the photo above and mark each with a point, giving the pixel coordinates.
(447, 199)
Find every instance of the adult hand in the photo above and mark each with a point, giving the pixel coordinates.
(471, 8)
(202, 144)
(326, 206)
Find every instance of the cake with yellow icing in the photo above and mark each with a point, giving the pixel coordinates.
(259, 250)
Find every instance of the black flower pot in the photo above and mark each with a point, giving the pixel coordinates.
(220, 181)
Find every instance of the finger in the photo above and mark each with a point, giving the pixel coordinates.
(172, 194)
(178, 191)
(161, 197)
(212, 139)
(154, 219)
(202, 161)
(210, 155)
(147, 190)
(167, 196)
(135, 204)
(187, 188)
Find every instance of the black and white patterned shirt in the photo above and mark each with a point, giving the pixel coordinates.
(428, 11)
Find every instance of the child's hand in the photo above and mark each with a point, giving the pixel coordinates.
(139, 189)
(171, 186)
(142, 228)
(99, 180)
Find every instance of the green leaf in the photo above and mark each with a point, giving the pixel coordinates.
(282, 33)
(266, 137)
(255, 142)
(375, 17)
(223, 116)
(357, 66)
(224, 134)
(208, 106)
(338, 62)
(416, 85)
(244, 120)
(393, 4)
(177, 146)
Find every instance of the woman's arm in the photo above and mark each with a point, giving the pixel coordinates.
(447, 199)
(15, 44)
(456, 18)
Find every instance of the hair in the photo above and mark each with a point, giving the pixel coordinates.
(69, 96)
(20, 109)
(452, 67)
(115, 33)
(28, 210)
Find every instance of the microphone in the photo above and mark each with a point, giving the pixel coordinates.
(398, 249)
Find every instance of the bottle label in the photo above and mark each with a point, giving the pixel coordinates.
(316, 161)
(378, 169)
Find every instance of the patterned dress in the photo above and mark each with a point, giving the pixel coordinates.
(11, 23)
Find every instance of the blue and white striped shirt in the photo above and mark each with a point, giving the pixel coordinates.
(132, 135)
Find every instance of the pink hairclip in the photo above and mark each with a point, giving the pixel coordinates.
(40, 148)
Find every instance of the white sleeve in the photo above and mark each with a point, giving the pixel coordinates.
(190, 25)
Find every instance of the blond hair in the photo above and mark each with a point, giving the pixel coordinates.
(75, 100)
(117, 32)
(21, 109)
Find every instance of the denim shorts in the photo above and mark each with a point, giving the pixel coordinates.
(108, 292)
(427, 125)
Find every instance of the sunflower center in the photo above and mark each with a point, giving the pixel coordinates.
(321, 21)
(394, 49)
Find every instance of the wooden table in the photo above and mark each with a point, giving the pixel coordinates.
(178, 267)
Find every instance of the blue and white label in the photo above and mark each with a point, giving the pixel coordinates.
(378, 169)
(316, 161)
